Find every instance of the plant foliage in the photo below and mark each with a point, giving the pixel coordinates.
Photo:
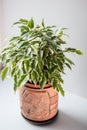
(36, 55)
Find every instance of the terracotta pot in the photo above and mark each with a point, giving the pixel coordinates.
(36, 104)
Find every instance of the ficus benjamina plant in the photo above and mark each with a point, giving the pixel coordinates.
(36, 55)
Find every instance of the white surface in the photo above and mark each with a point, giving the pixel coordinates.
(72, 112)
(62, 13)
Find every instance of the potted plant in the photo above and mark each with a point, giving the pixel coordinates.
(36, 61)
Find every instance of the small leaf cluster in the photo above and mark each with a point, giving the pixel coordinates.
(36, 55)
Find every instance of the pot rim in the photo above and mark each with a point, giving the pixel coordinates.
(36, 86)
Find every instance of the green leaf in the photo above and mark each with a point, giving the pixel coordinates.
(63, 29)
(39, 59)
(24, 21)
(8, 60)
(79, 52)
(16, 38)
(61, 89)
(34, 76)
(48, 38)
(48, 27)
(60, 79)
(6, 50)
(4, 73)
(16, 23)
(22, 80)
(13, 69)
(26, 63)
(60, 41)
(21, 21)
(70, 61)
(47, 74)
(33, 63)
(54, 83)
(68, 66)
(24, 28)
(23, 67)
(61, 32)
(43, 23)
(13, 54)
(3, 56)
(23, 44)
(43, 82)
(70, 50)
(53, 43)
(15, 82)
(31, 23)
(57, 86)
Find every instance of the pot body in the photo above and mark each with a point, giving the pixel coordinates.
(37, 104)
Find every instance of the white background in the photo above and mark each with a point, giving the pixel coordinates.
(62, 13)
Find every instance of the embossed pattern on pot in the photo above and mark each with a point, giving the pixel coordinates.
(37, 104)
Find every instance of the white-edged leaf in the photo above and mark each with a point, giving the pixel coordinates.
(31, 23)
(4, 72)
(61, 89)
(68, 66)
(22, 80)
(43, 82)
(69, 61)
(34, 76)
